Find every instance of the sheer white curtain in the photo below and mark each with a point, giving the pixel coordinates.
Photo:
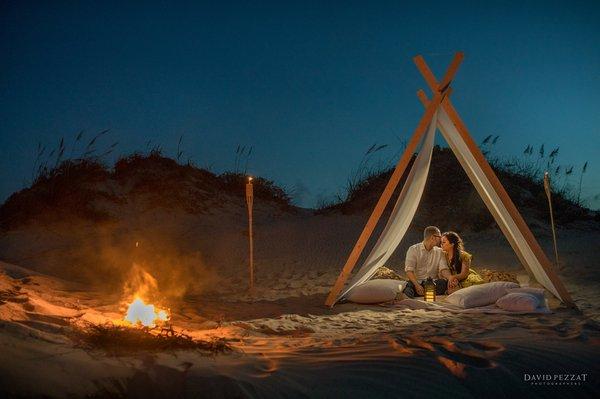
(402, 214)
(490, 198)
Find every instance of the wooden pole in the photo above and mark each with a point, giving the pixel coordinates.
(249, 203)
(549, 195)
(392, 183)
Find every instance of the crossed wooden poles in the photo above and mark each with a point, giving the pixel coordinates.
(441, 92)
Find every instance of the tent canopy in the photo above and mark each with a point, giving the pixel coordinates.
(440, 114)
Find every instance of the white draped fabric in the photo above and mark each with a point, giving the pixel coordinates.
(492, 201)
(402, 214)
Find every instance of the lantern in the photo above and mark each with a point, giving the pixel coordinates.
(429, 290)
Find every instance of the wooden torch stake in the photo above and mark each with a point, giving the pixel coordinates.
(249, 202)
(549, 195)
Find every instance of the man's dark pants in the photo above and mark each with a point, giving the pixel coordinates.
(441, 286)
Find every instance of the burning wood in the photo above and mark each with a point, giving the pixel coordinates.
(140, 313)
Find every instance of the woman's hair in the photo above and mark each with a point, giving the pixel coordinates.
(457, 242)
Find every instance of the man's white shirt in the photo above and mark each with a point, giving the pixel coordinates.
(425, 263)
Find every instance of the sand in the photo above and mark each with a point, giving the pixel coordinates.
(285, 342)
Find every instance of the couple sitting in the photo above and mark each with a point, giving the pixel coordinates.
(449, 266)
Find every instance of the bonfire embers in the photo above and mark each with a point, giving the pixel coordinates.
(142, 314)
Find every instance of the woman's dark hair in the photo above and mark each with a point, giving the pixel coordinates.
(457, 242)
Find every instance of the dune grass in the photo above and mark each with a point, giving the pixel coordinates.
(68, 179)
(76, 183)
(120, 340)
(521, 176)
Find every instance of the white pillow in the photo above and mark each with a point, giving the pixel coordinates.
(518, 302)
(538, 293)
(480, 295)
(376, 291)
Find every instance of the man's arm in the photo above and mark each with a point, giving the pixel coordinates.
(410, 263)
(411, 276)
(409, 267)
(444, 271)
(452, 280)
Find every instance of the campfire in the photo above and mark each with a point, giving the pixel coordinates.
(140, 290)
(145, 325)
(146, 315)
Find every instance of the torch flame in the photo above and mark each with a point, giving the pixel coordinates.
(147, 315)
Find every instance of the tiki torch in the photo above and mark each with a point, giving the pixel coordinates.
(549, 195)
(249, 201)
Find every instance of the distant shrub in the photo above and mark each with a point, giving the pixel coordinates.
(67, 189)
(263, 188)
(75, 187)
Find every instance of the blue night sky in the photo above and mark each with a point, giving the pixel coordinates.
(309, 85)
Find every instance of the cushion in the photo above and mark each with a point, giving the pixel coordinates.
(518, 302)
(538, 293)
(480, 295)
(376, 291)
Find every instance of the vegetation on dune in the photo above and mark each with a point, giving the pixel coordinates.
(68, 189)
(371, 172)
(449, 191)
(76, 180)
(77, 184)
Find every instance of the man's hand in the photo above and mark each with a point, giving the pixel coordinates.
(420, 290)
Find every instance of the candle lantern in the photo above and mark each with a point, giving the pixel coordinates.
(249, 203)
(429, 290)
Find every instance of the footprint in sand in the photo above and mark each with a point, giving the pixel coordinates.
(14, 296)
(467, 357)
(487, 346)
(456, 356)
(457, 369)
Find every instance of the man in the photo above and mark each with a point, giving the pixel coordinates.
(426, 259)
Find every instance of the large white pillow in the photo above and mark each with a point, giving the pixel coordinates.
(538, 293)
(480, 295)
(518, 302)
(376, 291)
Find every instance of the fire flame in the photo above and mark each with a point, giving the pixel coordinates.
(147, 315)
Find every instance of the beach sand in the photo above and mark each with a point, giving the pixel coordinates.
(285, 342)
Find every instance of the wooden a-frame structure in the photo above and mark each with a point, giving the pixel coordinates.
(441, 99)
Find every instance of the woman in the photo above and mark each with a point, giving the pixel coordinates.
(459, 263)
